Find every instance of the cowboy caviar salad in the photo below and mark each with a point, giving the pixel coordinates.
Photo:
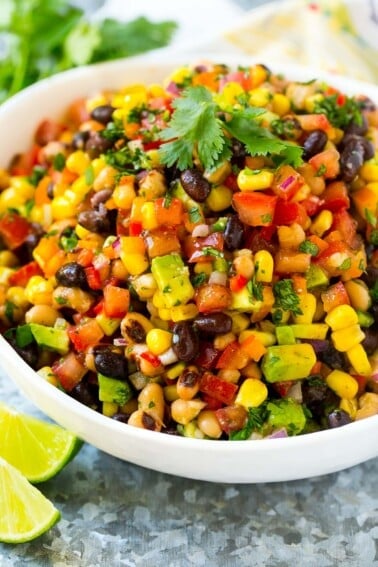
(200, 257)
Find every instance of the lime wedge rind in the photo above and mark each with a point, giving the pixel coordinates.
(25, 512)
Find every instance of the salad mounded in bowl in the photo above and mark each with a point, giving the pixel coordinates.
(198, 257)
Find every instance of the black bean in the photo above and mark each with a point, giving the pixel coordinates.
(97, 145)
(238, 153)
(338, 417)
(233, 233)
(333, 358)
(72, 275)
(214, 323)
(185, 341)
(351, 159)
(367, 145)
(314, 143)
(28, 353)
(359, 129)
(86, 393)
(370, 342)
(110, 363)
(374, 312)
(100, 197)
(317, 396)
(366, 103)
(103, 113)
(195, 185)
(80, 139)
(95, 220)
(121, 417)
(370, 276)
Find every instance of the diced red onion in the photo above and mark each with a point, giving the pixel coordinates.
(219, 278)
(278, 434)
(172, 88)
(200, 230)
(286, 182)
(116, 244)
(139, 349)
(120, 341)
(168, 357)
(295, 392)
(318, 345)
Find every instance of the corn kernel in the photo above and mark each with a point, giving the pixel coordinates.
(267, 339)
(369, 171)
(165, 314)
(229, 94)
(38, 290)
(343, 384)
(158, 300)
(78, 162)
(124, 195)
(154, 158)
(109, 408)
(359, 295)
(280, 104)
(47, 374)
(258, 74)
(92, 103)
(158, 341)
(345, 339)
(349, 406)
(175, 371)
(240, 322)
(108, 325)
(260, 96)
(254, 180)
(9, 199)
(149, 220)
(219, 198)
(170, 393)
(322, 222)
(184, 312)
(5, 274)
(23, 188)
(203, 268)
(252, 393)
(218, 175)
(16, 294)
(264, 266)
(62, 209)
(311, 100)
(359, 360)
(341, 316)
(8, 259)
(179, 75)
(307, 304)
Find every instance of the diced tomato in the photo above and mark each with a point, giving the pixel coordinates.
(237, 282)
(47, 131)
(362, 381)
(14, 230)
(317, 368)
(85, 257)
(233, 357)
(161, 241)
(116, 301)
(194, 247)
(255, 208)
(87, 333)
(97, 309)
(152, 145)
(151, 358)
(282, 388)
(253, 347)
(289, 212)
(231, 418)
(217, 388)
(287, 262)
(310, 122)
(77, 112)
(69, 370)
(346, 225)
(207, 357)
(23, 274)
(24, 163)
(211, 403)
(212, 297)
(326, 163)
(333, 296)
(135, 228)
(335, 197)
(311, 205)
(286, 182)
(231, 182)
(93, 278)
(168, 212)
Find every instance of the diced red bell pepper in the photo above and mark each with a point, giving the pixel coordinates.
(282, 388)
(69, 370)
(326, 163)
(135, 228)
(211, 403)
(217, 388)
(207, 357)
(231, 182)
(194, 246)
(287, 182)
(255, 208)
(23, 274)
(116, 301)
(311, 205)
(333, 296)
(86, 334)
(344, 223)
(335, 197)
(93, 278)
(168, 213)
(212, 297)
(14, 230)
(237, 283)
(289, 212)
(151, 358)
(233, 357)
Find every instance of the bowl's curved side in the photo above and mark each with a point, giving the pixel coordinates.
(236, 462)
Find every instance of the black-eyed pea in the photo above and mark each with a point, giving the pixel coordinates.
(229, 375)
(72, 297)
(252, 370)
(151, 401)
(143, 420)
(208, 423)
(184, 411)
(42, 314)
(149, 369)
(221, 341)
(188, 383)
(89, 361)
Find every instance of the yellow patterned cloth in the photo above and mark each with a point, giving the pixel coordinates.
(333, 35)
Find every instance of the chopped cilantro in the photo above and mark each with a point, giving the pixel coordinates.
(61, 300)
(285, 296)
(29, 206)
(194, 215)
(59, 162)
(255, 289)
(199, 279)
(68, 241)
(309, 247)
(9, 309)
(113, 131)
(374, 237)
(127, 161)
(370, 217)
(267, 218)
(340, 114)
(285, 128)
(24, 336)
(36, 175)
(89, 175)
(277, 316)
(255, 422)
(345, 264)
(211, 251)
(322, 169)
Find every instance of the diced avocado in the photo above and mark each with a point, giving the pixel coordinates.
(288, 362)
(51, 338)
(267, 339)
(365, 319)
(113, 390)
(243, 300)
(316, 277)
(285, 335)
(288, 414)
(172, 278)
(190, 430)
(310, 330)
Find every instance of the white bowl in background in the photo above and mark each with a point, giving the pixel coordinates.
(268, 460)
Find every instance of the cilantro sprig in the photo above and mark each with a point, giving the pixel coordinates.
(339, 113)
(285, 296)
(199, 126)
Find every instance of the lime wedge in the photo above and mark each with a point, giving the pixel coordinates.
(25, 512)
(38, 449)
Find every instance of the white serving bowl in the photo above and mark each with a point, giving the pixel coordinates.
(268, 460)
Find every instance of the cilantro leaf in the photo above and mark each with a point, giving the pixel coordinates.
(194, 125)
(339, 113)
(285, 296)
(255, 422)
